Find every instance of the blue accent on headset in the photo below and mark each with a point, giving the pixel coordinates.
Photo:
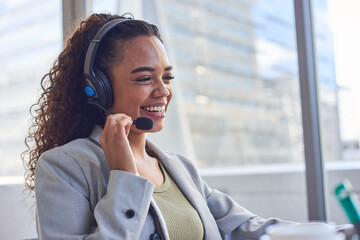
(89, 91)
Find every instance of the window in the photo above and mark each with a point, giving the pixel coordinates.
(30, 39)
(30, 36)
(237, 74)
(339, 94)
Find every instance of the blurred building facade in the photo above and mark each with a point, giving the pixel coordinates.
(30, 44)
(236, 63)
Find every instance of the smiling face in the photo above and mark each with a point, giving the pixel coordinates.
(141, 81)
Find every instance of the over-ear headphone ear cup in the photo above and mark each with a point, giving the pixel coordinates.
(105, 93)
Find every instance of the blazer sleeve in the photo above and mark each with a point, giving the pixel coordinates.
(234, 221)
(63, 206)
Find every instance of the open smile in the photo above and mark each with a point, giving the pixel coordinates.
(155, 111)
(159, 109)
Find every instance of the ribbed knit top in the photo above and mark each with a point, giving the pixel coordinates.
(182, 220)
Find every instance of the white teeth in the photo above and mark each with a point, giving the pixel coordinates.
(155, 109)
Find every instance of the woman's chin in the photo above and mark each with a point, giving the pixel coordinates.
(156, 128)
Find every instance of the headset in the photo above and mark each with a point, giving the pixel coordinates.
(97, 86)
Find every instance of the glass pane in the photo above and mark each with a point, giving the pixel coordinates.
(109, 6)
(238, 77)
(30, 36)
(339, 94)
(134, 7)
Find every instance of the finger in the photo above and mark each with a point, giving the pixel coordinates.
(127, 129)
(117, 116)
(111, 125)
(117, 132)
(116, 129)
(123, 126)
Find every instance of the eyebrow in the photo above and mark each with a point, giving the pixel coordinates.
(149, 69)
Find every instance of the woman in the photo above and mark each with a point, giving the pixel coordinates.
(94, 173)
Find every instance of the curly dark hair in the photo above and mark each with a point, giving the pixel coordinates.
(62, 113)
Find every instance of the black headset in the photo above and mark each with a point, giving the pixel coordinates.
(97, 86)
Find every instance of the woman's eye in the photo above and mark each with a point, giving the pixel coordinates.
(169, 77)
(144, 79)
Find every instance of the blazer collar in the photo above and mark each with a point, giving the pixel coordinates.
(96, 132)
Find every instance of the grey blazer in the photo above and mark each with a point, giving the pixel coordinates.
(79, 197)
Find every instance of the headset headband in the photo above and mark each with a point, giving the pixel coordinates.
(94, 44)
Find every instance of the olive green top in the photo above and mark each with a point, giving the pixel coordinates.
(182, 220)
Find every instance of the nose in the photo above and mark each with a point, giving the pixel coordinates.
(162, 89)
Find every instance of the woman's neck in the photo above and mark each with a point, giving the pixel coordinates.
(137, 143)
(147, 166)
